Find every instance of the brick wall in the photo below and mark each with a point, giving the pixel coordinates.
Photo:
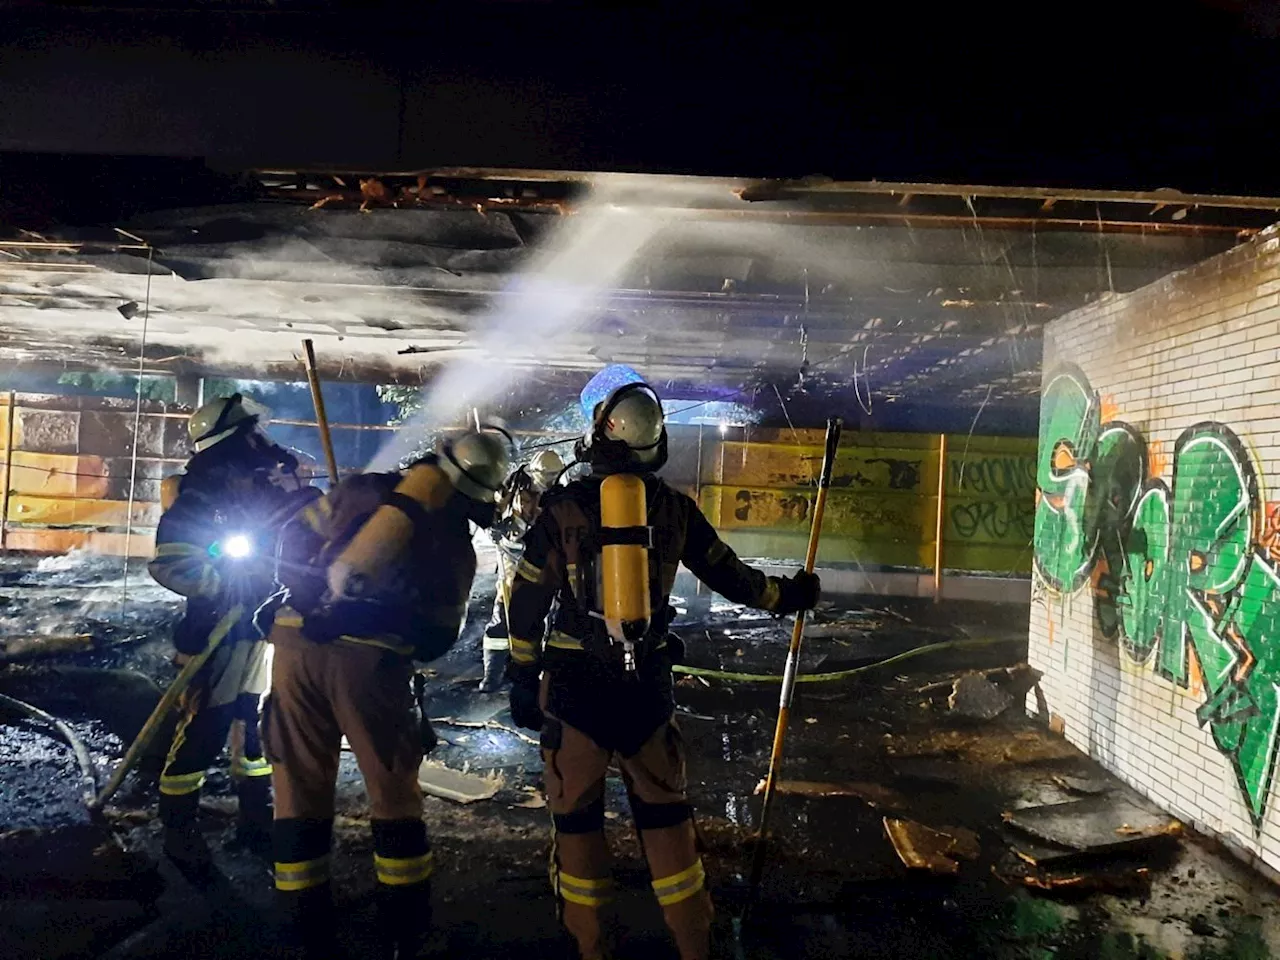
(1156, 603)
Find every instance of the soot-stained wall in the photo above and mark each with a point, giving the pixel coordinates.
(1156, 601)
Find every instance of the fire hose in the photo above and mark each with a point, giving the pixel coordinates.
(176, 689)
(69, 735)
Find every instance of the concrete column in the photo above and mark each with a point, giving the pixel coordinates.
(190, 390)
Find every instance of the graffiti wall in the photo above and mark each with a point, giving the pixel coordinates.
(1180, 555)
(883, 505)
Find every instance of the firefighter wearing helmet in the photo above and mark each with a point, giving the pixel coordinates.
(378, 574)
(599, 688)
(214, 545)
(516, 511)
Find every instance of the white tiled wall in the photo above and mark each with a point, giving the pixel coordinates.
(1203, 344)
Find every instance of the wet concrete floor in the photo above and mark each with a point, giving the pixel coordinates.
(74, 887)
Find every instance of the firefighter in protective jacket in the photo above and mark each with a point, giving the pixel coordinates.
(378, 576)
(214, 546)
(517, 508)
(600, 688)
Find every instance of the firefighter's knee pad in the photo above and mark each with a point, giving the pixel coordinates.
(656, 816)
(590, 819)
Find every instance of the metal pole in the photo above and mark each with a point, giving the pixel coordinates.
(937, 536)
(322, 421)
(834, 426)
(8, 471)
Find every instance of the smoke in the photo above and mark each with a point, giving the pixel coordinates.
(559, 289)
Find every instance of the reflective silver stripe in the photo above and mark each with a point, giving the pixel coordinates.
(680, 886)
(401, 871)
(179, 785)
(302, 875)
(584, 891)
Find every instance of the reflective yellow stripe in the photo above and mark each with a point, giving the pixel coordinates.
(288, 617)
(583, 891)
(179, 785)
(772, 594)
(384, 641)
(179, 549)
(528, 571)
(523, 651)
(562, 641)
(302, 875)
(210, 582)
(315, 515)
(401, 871)
(680, 886)
(252, 768)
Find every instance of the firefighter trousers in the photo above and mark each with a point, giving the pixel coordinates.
(321, 692)
(574, 773)
(496, 634)
(228, 688)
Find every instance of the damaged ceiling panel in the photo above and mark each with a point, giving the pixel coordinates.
(892, 288)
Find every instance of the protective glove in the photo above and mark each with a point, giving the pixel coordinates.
(525, 710)
(675, 648)
(797, 593)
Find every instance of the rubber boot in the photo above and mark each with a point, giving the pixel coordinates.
(305, 923)
(404, 917)
(253, 827)
(184, 845)
(495, 666)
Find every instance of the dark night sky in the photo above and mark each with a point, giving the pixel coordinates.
(1182, 94)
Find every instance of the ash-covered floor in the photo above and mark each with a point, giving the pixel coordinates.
(885, 743)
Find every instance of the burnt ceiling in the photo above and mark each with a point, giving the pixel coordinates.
(905, 294)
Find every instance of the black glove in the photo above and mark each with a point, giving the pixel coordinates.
(524, 702)
(675, 648)
(798, 593)
(427, 732)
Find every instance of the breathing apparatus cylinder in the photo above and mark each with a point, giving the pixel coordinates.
(387, 533)
(624, 561)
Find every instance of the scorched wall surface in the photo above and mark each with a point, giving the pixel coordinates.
(1156, 600)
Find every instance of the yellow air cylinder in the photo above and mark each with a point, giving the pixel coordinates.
(386, 535)
(624, 568)
(169, 488)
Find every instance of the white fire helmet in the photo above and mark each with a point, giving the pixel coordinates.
(629, 427)
(220, 418)
(544, 468)
(476, 463)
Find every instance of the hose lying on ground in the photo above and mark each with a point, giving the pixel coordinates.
(838, 674)
(67, 734)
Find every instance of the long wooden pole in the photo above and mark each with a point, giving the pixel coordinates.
(834, 426)
(937, 534)
(8, 471)
(317, 398)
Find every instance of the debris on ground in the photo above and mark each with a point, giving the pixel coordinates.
(437, 780)
(1097, 825)
(1115, 879)
(923, 848)
(1082, 786)
(871, 793)
(974, 697)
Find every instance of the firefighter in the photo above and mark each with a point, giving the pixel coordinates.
(599, 690)
(214, 545)
(378, 575)
(516, 510)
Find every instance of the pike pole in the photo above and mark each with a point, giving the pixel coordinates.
(834, 426)
(322, 421)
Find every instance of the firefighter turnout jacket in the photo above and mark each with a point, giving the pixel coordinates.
(587, 687)
(596, 712)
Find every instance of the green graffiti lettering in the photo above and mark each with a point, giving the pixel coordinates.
(1178, 571)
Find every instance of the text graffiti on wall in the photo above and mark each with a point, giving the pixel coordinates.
(1183, 572)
